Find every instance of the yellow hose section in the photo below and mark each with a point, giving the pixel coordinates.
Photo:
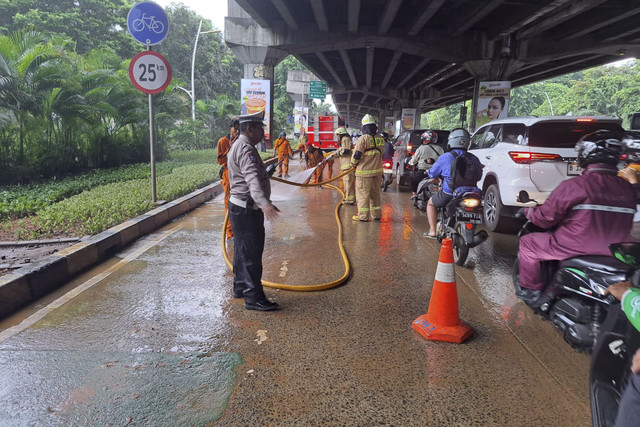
(302, 288)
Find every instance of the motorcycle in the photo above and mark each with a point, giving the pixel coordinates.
(458, 221)
(574, 297)
(387, 174)
(615, 345)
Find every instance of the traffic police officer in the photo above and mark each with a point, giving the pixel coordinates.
(367, 157)
(249, 203)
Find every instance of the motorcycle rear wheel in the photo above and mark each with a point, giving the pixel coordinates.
(460, 247)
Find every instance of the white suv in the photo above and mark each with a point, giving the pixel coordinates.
(528, 153)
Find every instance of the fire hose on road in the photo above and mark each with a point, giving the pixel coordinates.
(345, 260)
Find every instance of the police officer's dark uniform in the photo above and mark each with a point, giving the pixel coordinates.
(248, 203)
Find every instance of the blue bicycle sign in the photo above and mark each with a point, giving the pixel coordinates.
(148, 23)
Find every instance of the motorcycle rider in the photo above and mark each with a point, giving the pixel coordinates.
(424, 158)
(389, 151)
(458, 142)
(585, 213)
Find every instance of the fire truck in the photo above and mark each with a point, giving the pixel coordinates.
(321, 134)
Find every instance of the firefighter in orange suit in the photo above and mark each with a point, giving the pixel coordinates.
(224, 145)
(367, 157)
(314, 157)
(283, 149)
(344, 153)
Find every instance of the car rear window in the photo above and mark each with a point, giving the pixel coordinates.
(565, 134)
(415, 139)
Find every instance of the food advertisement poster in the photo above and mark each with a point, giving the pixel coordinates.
(255, 98)
(408, 118)
(493, 102)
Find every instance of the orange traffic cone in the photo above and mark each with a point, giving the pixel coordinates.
(442, 321)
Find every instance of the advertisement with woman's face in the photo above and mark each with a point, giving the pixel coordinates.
(493, 102)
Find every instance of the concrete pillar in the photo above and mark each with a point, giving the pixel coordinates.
(252, 43)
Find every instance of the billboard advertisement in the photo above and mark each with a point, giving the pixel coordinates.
(255, 98)
(300, 119)
(408, 118)
(493, 102)
(389, 125)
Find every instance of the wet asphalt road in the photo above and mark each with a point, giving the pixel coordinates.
(154, 337)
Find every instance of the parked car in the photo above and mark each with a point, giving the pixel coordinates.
(405, 145)
(533, 154)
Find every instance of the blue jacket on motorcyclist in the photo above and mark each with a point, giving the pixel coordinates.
(585, 214)
(458, 143)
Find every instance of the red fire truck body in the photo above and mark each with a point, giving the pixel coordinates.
(322, 134)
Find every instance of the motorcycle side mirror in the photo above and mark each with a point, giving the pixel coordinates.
(523, 197)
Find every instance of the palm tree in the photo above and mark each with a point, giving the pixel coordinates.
(24, 56)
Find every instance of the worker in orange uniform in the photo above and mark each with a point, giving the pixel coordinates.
(344, 153)
(302, 142)
(283, 149)
(367, 157)
(315, 159)
(224, 145)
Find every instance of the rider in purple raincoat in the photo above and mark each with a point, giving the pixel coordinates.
(585, 214)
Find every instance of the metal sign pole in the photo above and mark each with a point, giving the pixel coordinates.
(151, 151)
(152, 154)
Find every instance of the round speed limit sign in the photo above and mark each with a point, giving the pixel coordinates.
(150, 72)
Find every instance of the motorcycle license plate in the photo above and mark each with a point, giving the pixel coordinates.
(472, 217)
(573, 169)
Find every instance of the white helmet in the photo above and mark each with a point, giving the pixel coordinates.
(459, 138)
(368, 120)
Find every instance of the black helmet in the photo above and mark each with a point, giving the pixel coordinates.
(385, 135)
(429, 137)
(631, 143)
(601, 146)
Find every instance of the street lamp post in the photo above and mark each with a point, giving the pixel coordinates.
(191, 92)
(549, 101)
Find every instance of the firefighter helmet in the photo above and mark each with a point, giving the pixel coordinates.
(368, 120)
(341, 131)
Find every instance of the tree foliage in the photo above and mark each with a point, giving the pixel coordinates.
(610, 90)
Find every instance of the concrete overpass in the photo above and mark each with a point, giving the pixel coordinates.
(378, 56)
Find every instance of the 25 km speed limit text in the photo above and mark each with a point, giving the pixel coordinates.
(150, 72)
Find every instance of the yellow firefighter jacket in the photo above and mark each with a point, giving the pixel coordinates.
(370, 164)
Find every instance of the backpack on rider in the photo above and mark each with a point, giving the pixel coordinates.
(466, 170)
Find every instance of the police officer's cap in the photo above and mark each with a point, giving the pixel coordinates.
(252, 118)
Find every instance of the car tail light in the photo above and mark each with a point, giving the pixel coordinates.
(386, 165)
(409, 148)
(526, 158)
(585, 119)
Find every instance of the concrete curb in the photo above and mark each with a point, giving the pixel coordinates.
(26, 284)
